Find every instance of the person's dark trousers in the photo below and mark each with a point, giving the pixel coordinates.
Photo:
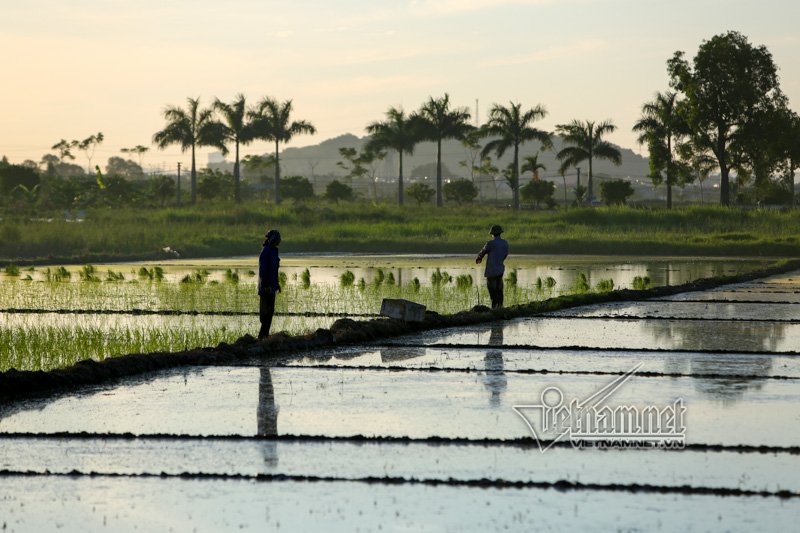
(265, 311)
(495, 286)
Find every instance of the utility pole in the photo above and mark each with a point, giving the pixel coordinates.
(179, 185)
(477, 115)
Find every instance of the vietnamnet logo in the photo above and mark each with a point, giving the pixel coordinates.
(591, 422)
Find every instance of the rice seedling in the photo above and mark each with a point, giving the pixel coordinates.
(57, 275)
(511, 279)
(112, 276)
(440, 277)
(347, 278)
(581, 284)
(198, 277)
(232, 276)
(154, 274)
(89, 273)
(464, 282)
(604, 285)
(56, 343)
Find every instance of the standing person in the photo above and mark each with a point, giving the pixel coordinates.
(268, 286)
(497, 250)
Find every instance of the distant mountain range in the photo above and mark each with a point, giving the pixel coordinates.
(321, 159)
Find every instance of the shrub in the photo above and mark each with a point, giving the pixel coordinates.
(460, 191)
(537, 191)
(615, 192)
(420, 192)
(337, 191)
(296, 188)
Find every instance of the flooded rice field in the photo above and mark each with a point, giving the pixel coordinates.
(681, 413)
(52, 317)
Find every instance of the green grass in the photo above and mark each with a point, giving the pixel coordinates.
(228, 229)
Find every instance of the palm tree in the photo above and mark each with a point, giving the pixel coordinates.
(236, 129)
(64, 149)
(139, 150)
(661, 127)
(512, 127)
(438, 122)
(531, 164)
(271, 122)
(586, 140)
(189, 128)
(398, 132)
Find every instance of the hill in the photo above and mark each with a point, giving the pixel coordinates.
(321, 159)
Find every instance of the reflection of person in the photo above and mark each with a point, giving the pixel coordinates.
(267, 417)
(268, 286)
(267, 413)
(495, 378)
(497, 250)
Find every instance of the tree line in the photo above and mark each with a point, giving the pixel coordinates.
(724, 111)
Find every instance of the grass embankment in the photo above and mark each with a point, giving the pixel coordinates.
(228, 229)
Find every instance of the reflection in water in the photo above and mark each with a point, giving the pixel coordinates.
(398, 354)
(267, 416)
(564, 270)
(494, 378)
(698, 335)
(732, 389)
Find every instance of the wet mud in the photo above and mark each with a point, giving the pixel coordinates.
(561, 485)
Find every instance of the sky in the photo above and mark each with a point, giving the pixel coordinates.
(72, 69)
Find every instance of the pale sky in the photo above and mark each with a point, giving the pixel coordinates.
(73, 68)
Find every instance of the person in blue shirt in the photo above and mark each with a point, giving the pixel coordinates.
(268, 285)
(497, 250)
